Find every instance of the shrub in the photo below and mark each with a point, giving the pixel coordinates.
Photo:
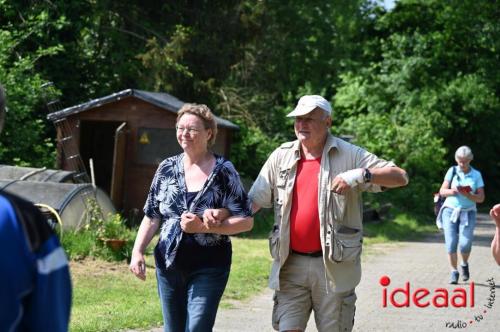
(93, 240)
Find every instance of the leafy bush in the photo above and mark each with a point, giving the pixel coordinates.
(92, 241)
(30, 146)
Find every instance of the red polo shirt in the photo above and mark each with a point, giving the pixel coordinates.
(304, 216)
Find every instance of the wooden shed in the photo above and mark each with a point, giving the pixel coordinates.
(127, 134)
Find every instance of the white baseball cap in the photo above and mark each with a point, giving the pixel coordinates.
(308, 103)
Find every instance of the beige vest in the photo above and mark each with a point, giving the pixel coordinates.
(340, 215)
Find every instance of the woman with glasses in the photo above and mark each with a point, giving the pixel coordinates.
(189, 195)
(463, 187)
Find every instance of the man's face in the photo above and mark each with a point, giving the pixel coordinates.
(312, 128)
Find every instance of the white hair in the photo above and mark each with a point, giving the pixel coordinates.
(464, 152)
(326, 114)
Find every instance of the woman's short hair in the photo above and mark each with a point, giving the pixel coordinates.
(203, 112)
(464, 152)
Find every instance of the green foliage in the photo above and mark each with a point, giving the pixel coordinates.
(113, 227)
(79, 245)
(94, 239)
(162, 62)
(24, 139)
(297, 47)
(252, 149)
(411, 84)
(430, 87)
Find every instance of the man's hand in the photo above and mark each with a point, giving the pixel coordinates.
(339, 185)
(191, 223)
(214, 217)
(348, 180)
(495, 214)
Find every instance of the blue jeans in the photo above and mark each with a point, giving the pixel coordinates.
(190, 300)
(458, 233)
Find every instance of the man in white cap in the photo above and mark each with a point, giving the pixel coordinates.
(315, 185)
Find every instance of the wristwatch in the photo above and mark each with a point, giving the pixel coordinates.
(367, 176)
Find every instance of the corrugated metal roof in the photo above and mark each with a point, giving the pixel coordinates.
(160, 99)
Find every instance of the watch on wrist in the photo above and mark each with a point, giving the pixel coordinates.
(367, 176)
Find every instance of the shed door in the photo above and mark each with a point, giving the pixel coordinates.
(118, 166)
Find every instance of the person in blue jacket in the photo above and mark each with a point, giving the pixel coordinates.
(35, 285)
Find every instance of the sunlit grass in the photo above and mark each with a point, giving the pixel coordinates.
(402, 228)
(107, 297)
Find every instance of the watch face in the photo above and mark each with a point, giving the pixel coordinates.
(367, 175)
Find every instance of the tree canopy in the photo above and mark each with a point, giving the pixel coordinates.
(411, 84)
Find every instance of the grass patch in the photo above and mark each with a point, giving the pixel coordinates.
(107, 297)
(402, 228)
(249, 271)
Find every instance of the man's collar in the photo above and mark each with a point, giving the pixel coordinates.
(330, 143)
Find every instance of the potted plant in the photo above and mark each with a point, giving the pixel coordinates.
(113, 232)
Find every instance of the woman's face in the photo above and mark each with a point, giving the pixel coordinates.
(463, 163)
(192, 134)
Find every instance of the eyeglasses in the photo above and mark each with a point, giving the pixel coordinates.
(191, 131)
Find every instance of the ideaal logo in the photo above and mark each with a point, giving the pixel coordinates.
(438, 298)
(423, 297)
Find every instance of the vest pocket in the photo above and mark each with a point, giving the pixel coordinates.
(274, 242)
(346, 244)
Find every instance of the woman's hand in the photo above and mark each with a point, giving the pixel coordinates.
(446, 191)
(146, 232)
(191, 223)
(477, 197)
(138, 265)
(495, 214)
(214, 217)
(467, 194)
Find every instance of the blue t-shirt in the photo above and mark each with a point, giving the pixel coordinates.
(473, 179)
(35, 285)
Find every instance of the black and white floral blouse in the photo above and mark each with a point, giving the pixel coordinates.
(166, 201)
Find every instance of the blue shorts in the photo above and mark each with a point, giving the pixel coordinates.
(458, 234)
